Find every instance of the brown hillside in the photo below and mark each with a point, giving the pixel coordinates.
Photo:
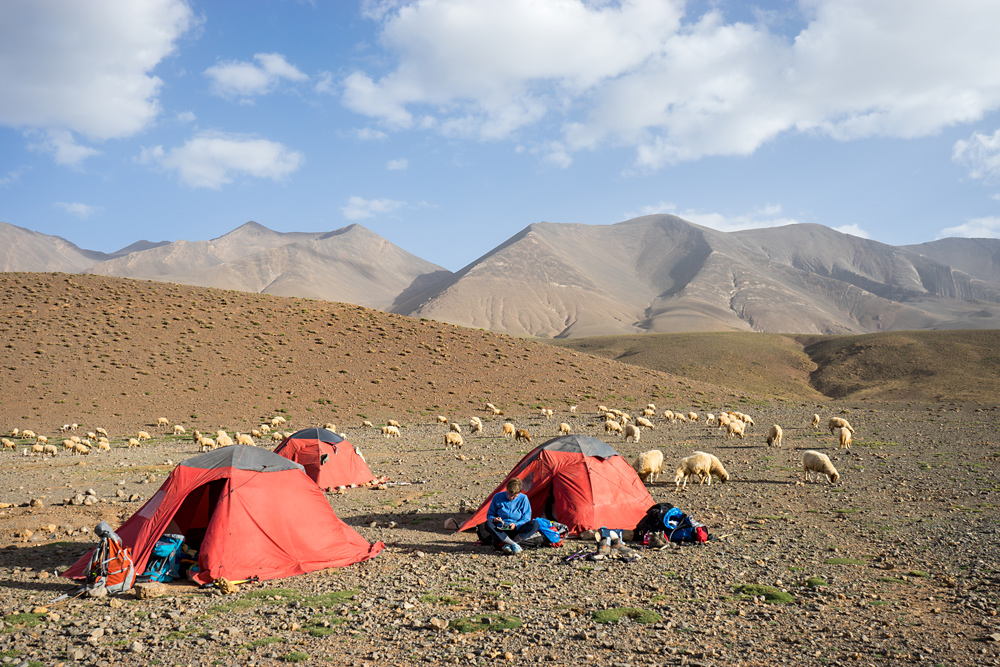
(115, 352)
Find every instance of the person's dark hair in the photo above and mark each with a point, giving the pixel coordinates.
(514, 485)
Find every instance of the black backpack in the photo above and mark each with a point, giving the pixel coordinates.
(653, 521)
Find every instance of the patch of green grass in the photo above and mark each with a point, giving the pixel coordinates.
(22, 621)
(430, 598)
(616, 614)
(771, 594)
(329, 599)
(843, 561)
(264, 641)
(816, 581)
(893, 580)
(491, 622)
(296, 656)
(917, 573)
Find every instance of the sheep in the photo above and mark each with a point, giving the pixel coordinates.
(179, 430)
(612, 427)
(441, 419)
(37, 449)
(27, 434)
(195, 436)
(142, 435)
(610, 416)
(68, 444)
(454, 427)
(222, 439)
(709, 418)
(390, 431)
(703, 465)
(722, 421)
(15, 433)
(81, 449)
(649, 465)
(8, 443)
(508, 430)
(475, 426)
(815, 421)
(133, 442)
(76, 438)
(838, 422)
(625, 417)
(277, 436)
(601, 408)
(101, 431)
(49, 450)
(547, 412)
(42, 440)
(244, 439)
(734, 428)
(845, 438)
(330, 426)
(265, 429)
(367, 424)
(522, 434)
(693, 416)
(162, 421)
(392, 422)
(452, 439)
(645, 423)
(64, 428)
(817, 462)
(573, 408)
(205, 444)
(651, 406)
(775, 435)
(494, 409)
(668, 415)
(680, 417)
(277, 420)
(90, 434)
(648, 412)
(631, 431)
(564, 428)
(104, 444)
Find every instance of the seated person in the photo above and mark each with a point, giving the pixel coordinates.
(509, 518)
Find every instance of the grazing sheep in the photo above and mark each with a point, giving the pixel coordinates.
(693, 416)
(546, 412)
(668, 415)
(775, 435)
(90, 434)
(612, 427)
(27, 434)
(205, 444)
(64, 428)
(330, 426)
(42, 440)
(645, 423)
(8, 443)
(680, 417)
(244, 439)
(163, 421)
(49, 450)
(134, 442)
(143, 436)
(265, 429)
(37, 449)
(390, 431)
(573, 408)
(81, 449)
(494, 409)
(648, 412)
(441, 419)
(277, 436)
(452, 439)
(815, 421)
(564, 428)
(76, 438)
(845, 438)
(392, 422)
(709, 418)
(508, 430)
(522, 434)
(817, 462)
(68, 444)
(703, 465)
(278, 420)
(104, 444)
(722, 421)
(631, 431)
(475, 426)
(454, 427)
(15, 433)
(625, 417)
(734, 428)
(839, 422)
(179, 430)
(101, 431)
(367, 424)
(610, 416)
(649, 465)
(601, 408)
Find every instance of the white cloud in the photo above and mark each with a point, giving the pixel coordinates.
(213, 159)
(235, 79)
(369, 134)
(12, 176)
(398, 165)
(62, 145)
(853, 230)
(325, 83)
(85, 68)
(358, 208)
(641, 74)
(82, 211)
(980, 155)
(186, 117)
(976, 228)
(766, 216)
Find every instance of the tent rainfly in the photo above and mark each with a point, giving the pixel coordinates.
(327, 458)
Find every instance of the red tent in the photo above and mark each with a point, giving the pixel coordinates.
(259, 513)
(579, 481)
(330, 460)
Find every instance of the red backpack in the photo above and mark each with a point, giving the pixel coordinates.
(111, 563)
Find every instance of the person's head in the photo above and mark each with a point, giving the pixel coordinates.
(513, 488)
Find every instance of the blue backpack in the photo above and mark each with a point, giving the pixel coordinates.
(680, 527)
(165, 561)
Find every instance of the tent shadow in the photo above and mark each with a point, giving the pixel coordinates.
(45, 556)
(427, 523)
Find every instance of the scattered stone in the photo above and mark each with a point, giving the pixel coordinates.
(150, 589)
(36, 502)
(438, 624)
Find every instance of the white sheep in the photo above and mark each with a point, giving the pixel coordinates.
(81, 449)
(602, 408)
(564, 428)
(179, 430)
(845, 438)
(205, 444)
(277, 421)
(265, 429)
(734, 428)
(508, 430)
(330, 426)
(668, 415)
(709, 418)
(27, 434)
(452, 439)
(546, 412)
(817, 462)
(142, 435)
(573, 408)
(775, 435)
(693, 416)
(815, 421)
(612, 427)
(8, 443)
(441, 419)
(64, 428)
(367, 424)
(454, 427)
(649, 465)
(244, 439)
(703, 465)
(37, 449)
(222, 439)
(42, 440)
(392, 422)
(838, 422)
(133, 442)
(104, 444)
(101, 431)
(631, 431)
(680, 417)
(49, 450)
(645, 423)
(648, 412)
(390, 431)
(475, 426)
(277, 436)
(163, 421)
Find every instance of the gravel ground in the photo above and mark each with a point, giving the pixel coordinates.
(896, 564)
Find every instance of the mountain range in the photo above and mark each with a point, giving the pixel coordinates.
(656, 273)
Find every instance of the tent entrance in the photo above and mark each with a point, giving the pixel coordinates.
(196, 512)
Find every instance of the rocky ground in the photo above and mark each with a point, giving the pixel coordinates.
(896, 564)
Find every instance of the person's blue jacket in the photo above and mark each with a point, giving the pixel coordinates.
(516, 511)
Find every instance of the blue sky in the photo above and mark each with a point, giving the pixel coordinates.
(446, 126)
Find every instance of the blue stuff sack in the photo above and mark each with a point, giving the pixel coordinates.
(164, 563)
(680, 527)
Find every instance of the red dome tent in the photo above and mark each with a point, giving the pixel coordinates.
(327, 458)
(260, 514)
(579, 481)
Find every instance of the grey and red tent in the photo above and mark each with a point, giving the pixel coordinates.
(327, 458)
(579, 481)
(259, 514)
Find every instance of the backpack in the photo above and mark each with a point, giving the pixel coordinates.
(165, 561)
(680, 527)
(111, 563)
(653, 521)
